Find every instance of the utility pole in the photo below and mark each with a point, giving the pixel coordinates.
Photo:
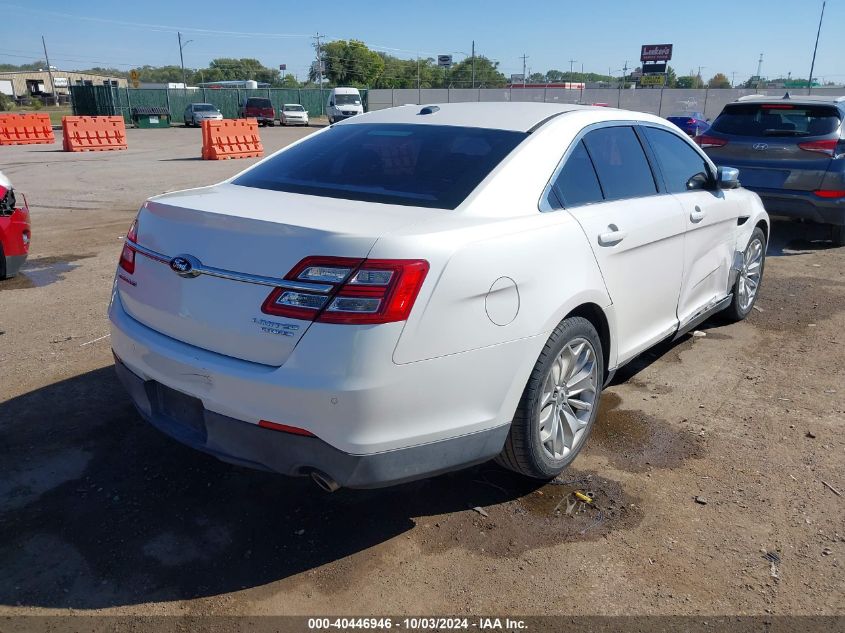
(181, 58)
(759, 68)
(733, 78)
(700, 78)
(49, 72)
(320, 70)
(473, 63)
(524, 59)
(571, 62)
(816, 48)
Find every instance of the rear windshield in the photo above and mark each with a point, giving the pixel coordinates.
(777, 119)
(415, 165)
(258, 103)
(294, 108)
(204, 107)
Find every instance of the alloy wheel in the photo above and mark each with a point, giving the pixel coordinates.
(749, 276)
(568, 398)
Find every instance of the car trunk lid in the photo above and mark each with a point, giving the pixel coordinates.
(247, 235)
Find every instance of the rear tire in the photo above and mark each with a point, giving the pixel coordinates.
(747, 286)
(559, 405)
(2, 263)
(838, 235)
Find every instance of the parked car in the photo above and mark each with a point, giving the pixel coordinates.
(790, 150)
(293, 114)
(693, 123)
(15, 230)
(196, 113)
(419, 289)
(259, 108)
(343, 103)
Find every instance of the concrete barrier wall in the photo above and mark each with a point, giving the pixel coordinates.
(662, 102)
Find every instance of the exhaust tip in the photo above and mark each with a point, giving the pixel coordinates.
(324, 481)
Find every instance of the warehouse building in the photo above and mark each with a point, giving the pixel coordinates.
(29, 84)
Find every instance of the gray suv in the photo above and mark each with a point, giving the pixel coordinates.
(790, 150)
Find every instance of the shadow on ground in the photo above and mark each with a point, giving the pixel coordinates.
(796, 238)
(98, 509)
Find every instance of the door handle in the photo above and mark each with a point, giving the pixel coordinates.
(612, 236)
(697, 215)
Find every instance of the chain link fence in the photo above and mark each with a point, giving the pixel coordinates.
(103, 100)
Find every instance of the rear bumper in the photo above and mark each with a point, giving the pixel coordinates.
(377, 422)
(245, 444)
(804, 205)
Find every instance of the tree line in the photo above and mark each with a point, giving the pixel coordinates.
(352, 63)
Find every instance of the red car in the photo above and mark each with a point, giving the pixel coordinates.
(14, 230)
(257, 108)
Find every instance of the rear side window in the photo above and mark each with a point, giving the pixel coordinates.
(415, 165)
(683, 168)
(777, 119)
(577, 182)
(254, 102)
(620, 163)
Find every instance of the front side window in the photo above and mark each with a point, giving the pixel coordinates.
(683, 168)
(434, 166)
(620, 163)
(577, 183)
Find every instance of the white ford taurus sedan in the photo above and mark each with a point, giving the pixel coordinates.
(419, 289)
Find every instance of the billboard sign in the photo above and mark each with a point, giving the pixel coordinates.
(444, 61)
(652, 80)
(656, 53)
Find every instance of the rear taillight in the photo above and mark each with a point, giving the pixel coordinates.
(830, 193)
(690, 121)
(705, 141)
(127, 255)
(361, 291)
(827, 146)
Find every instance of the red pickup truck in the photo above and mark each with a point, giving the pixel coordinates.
(258, 108)
(14, 230)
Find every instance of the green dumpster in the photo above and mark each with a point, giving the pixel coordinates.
(150, 116)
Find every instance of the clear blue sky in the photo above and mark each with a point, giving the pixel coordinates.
(602, 34)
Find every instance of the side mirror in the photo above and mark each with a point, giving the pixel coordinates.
(331, 104)
(727, 177)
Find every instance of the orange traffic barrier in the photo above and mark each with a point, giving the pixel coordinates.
(231, 138)
(25, 129)
(93, 133)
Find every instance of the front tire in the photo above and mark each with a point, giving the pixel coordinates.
(747, 285)
(560, 402)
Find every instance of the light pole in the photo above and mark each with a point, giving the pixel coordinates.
(182, 58)
(816, 48)
(699, 74)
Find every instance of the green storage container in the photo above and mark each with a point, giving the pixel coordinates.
(150, 116)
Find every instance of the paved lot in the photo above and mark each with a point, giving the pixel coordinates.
(98, 511)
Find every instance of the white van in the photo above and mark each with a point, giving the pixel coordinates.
(343, 103)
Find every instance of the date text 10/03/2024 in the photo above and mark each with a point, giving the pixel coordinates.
(423, 623)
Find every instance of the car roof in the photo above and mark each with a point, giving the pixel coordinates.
(797, 99)
(516, 117)
(297, 104)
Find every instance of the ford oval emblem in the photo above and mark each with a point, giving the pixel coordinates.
(761, 147)
(185, 266)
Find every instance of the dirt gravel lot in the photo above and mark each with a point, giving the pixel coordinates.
(100, 513)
